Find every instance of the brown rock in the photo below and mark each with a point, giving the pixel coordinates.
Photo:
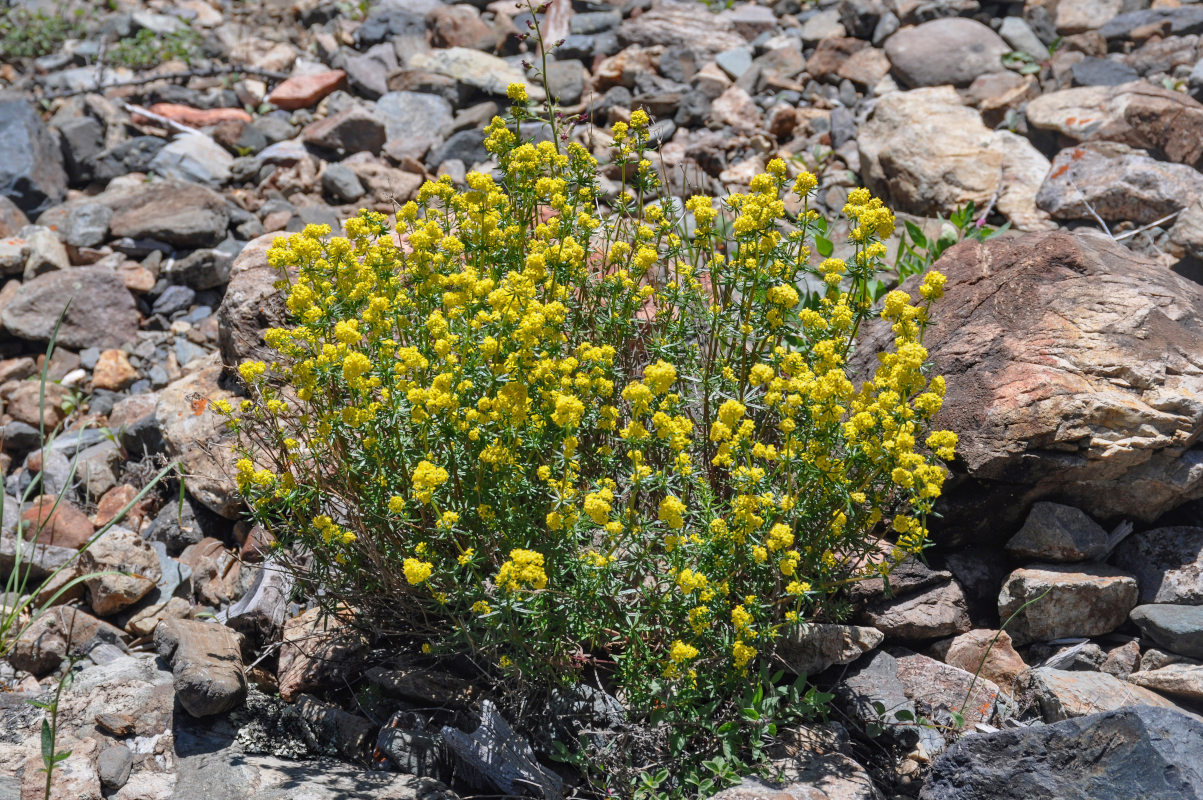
(831, 54)
(933, 686)
(1062, 694)
(459, 26)
(186, 215)
(865, 67)
(1177, 680)
(12, 218)
(123, 552)
(674, 23)
(57, 523)
(206, 665)
(937, 611)
(27, 403)
(386, 185)
(136, 277)
(102, 313)
(251, 305)
(736, 108)
(1137, 114)
(1056, 394)
(971, 651)
(215, 571)
(355, 129)
(304, 91)
(113, 371)
(1078, 600)
(113, 501)
(195, 117)
(1123, 660)
(55, 634)
(17, 369)
(952, 50)
(316, 649)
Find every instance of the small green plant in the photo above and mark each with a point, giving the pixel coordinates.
(147, 49)
(31, 34)
(1021, 62)
(51, 756)
(916, 252)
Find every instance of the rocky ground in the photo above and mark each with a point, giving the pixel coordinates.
(146, 189)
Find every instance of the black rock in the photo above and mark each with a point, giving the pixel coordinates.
(386, 23)
(1182, 21)
(1141, 751)
(133, 155)
(82, 140)
(31, 161)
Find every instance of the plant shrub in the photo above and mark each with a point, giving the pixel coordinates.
(551, 437)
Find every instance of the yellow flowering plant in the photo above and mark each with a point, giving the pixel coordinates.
(554, 437)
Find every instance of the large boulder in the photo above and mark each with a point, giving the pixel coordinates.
(1137, 114)
(178, 213)
(102, 311)
(680, 24)
(928, 152)
(1151, 753)
(1167, 562)
(952, 50)
(252, 304)
(1072, 373)
(1066, 600)
(1064, 694)
(31, 162)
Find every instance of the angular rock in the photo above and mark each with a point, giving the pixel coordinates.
(953, 50)
(1177, 628)
(354, 129)
(1134, 752)
(59, 632)
(316, 649)
(1054, 395)
(113, 371)
(31, 162)
(1055, 532)
(872, 683)
(101, 314)
(182, 214)
(1177, 21)
(1117, 183)
(482, 71)
(206, 665)
(1062, 694)
(251, 305)
(1187, 232)
(979, 652)
(409, 115)
(199, 439)
(940, 688)
(810, 649)
(1137, 114)
(821, 777)
(45, 252)
(304, 91)
(1082, 600)
(1167, 563)
(50, 520)
(124, 552)
(114, 765)
(929, 153)
(931, 613)
(193, 157)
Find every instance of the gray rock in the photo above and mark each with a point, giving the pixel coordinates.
(566, 80)
(413, 750)
(45, 252)
(82, 141)
(87, 225)
(810, 649)
(937, 611)
(735, 62)
(594, 22)
(466, 146)
(206, 665)
(181, 214)
(98, 468)
(1055, 532)
(190, 157)
(123, 570)
(31, 162)
(341, 184)
(1167, 563)
(413, 114)
(1177, 628)
(953, 51)
(1183, 681)
(367, 73)
(1017, 33)
(175, 298)
(102, 311)
(114, 765)
(1078, 600)
(354, 129)
(1065, 694)
(1187, 232)
(1143, 752)
(1181, 21)
(207, 268)
(1117, 182)
(1102, 72)
(871, 692)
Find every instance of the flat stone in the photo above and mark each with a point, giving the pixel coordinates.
(197, 117)
(52, 521)
(193, 157)
(1167, 563)
(1055, 532)
(474, 68)
(811, 648)
(679, 24)
(1177, 680)
(305, 91)
(1062, 694)
(1180, 21)
(352, 130)
(316, 649)
(953, 50)
(409, 115)
(206, 665)
(1082, 600)
(938, 611)
(978, 651)
(1134, 752)
(1177, 628)
(123, 552)
(1103, 72)
(182, 214)
(939, 688)
(101, 314)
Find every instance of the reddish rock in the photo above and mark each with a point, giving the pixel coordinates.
(195, 117)
(64, 526)
(113, 501)
(316, 650)
(831, 54)
(303, 91)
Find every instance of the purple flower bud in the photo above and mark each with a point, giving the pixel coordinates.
(530, 25)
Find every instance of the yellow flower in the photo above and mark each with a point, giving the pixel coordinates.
(680, 652)
(417, 571)
(516, 92)
(670, 511)
(524, 570)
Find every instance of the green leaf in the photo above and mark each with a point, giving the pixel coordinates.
(47, 742)
(904, 715)
(915, 233)
(824, 246)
